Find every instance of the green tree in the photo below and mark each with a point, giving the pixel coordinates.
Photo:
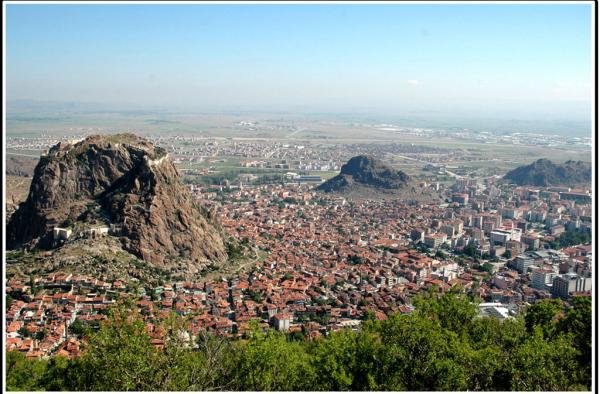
(9, 301)
(442, 345)
(213, 351)
(40, 335)
(421, 355)
(287, 276)
(369, 351)
(32, 286)
(540, 364)
(570, 238)
(269, 362)
(543, 314)
(452, 310)
(578, 324)
(23, 374)
(176, 367)
(119, 356)
(489, 331)
(470, 250)
(488, 368)
(335, 358)
(24, 332)
(59, 374)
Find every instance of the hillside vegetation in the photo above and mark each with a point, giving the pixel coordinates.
(441, 346)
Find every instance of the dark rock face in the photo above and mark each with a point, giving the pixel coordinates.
(543, 172)
(122, 180)
(366, 171)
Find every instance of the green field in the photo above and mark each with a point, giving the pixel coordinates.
(477, 157)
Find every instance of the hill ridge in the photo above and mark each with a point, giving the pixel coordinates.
(124, 182)
(544, 172)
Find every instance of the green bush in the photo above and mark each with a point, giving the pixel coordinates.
(442, 345)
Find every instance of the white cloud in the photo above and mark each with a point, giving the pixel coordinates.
(413, 82)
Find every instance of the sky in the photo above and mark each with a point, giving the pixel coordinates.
(498, 59)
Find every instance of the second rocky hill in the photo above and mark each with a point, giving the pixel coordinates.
(368, 177)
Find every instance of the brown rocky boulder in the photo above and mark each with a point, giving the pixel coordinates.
(124, 181)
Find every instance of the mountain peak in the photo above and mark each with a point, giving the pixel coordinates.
(121, 180)
(544, 172)
(366, 171)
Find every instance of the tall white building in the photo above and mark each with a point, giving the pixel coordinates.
(541, 278)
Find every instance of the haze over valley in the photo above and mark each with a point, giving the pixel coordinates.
(299, 197)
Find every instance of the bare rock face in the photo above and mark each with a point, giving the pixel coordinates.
(543, 172)
(366, 177)
(124, 181)
(366, 171)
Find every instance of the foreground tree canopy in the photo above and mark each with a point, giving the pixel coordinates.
(443, 345)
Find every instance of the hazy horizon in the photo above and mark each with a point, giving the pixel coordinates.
(550, 122)
(481, 61)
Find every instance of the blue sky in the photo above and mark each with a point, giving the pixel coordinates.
(324, 56)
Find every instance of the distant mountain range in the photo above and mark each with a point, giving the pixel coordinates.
(543, 172)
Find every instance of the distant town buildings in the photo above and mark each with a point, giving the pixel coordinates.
(321, 263)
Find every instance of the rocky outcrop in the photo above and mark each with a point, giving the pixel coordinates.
(366, 171)
(365, 177)
(543, 172)
(122, 180)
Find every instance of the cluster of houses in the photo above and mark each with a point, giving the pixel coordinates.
(328, 262)
(43, 309)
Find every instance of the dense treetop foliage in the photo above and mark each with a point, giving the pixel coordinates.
(571, 238)
(442, 345)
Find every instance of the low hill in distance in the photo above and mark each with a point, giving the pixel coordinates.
(543, 172)
(365, 176)
(17, 188)
(20, 165)
(122, 190)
